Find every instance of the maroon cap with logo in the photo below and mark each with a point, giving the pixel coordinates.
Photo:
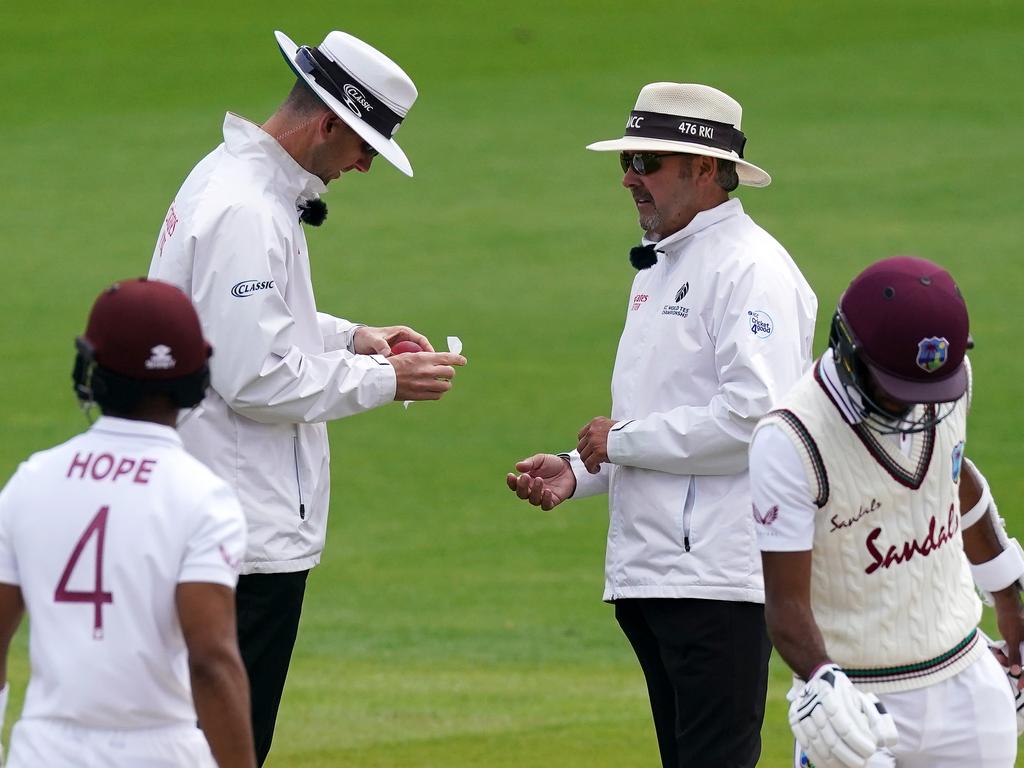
(910, 325)
(146, 330)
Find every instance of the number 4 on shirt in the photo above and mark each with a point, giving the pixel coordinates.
(97, 597)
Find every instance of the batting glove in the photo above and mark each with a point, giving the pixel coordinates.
(836, 725)
(1018, 694)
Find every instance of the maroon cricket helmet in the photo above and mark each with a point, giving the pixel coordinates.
(909, 325)
(146, 330)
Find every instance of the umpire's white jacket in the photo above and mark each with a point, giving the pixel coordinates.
(716, 332)
(232, 241)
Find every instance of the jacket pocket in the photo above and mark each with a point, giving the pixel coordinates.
(298, 481)
(691, 492)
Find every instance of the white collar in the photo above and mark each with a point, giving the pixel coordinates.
(850, 402)
(703, 220)
(111, 425)
(245, 139)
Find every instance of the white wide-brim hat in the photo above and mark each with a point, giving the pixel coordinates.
(690, 119)
(360, 85)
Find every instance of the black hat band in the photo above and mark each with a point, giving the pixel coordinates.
(334, 79)
(692, 130)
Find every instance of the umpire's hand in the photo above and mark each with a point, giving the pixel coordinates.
(593, 444)
(424, 375)
(545, 481)
(370, 340)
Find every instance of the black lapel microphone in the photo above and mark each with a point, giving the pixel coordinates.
(643, 256)
(312, 211)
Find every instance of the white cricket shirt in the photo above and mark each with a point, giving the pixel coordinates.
(779, 484)
(97, 533)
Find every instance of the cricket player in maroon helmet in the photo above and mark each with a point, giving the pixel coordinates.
(865, 506)
(124, 552)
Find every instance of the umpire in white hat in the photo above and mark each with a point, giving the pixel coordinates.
(719, 324)
(233, 241)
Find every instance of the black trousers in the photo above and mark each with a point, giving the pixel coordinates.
(268, 606)
(706, 664)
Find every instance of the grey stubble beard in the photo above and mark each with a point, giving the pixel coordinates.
(651, 222)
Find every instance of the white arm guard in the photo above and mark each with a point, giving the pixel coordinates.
(979, 510)
(1006, 568)
(1002, 571)
(836, 725)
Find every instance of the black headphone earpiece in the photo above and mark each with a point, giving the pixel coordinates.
(83, 373)
(848, 361)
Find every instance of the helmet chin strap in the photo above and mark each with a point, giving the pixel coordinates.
(884, 423)
(88, 411)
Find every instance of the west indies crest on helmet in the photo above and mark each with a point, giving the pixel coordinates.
(903, 324)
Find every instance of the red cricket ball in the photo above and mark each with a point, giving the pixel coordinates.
(405, 346)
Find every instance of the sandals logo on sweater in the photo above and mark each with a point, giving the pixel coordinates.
(901, 552)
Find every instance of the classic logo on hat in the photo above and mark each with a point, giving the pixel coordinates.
(931, 353)
(160, 358)
(352, 95)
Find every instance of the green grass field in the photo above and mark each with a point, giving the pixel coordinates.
(450, 624)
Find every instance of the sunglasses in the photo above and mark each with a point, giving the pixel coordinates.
(642, 163)
(369, 151)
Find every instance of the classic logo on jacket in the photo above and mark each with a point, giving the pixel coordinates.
(681, 293)
(249, 287)
(639, 299)
(958, 460)
(932, 352)
(895, 555)
(760, 323)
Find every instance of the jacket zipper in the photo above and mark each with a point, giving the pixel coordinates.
(691, 490)
(298, 483)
